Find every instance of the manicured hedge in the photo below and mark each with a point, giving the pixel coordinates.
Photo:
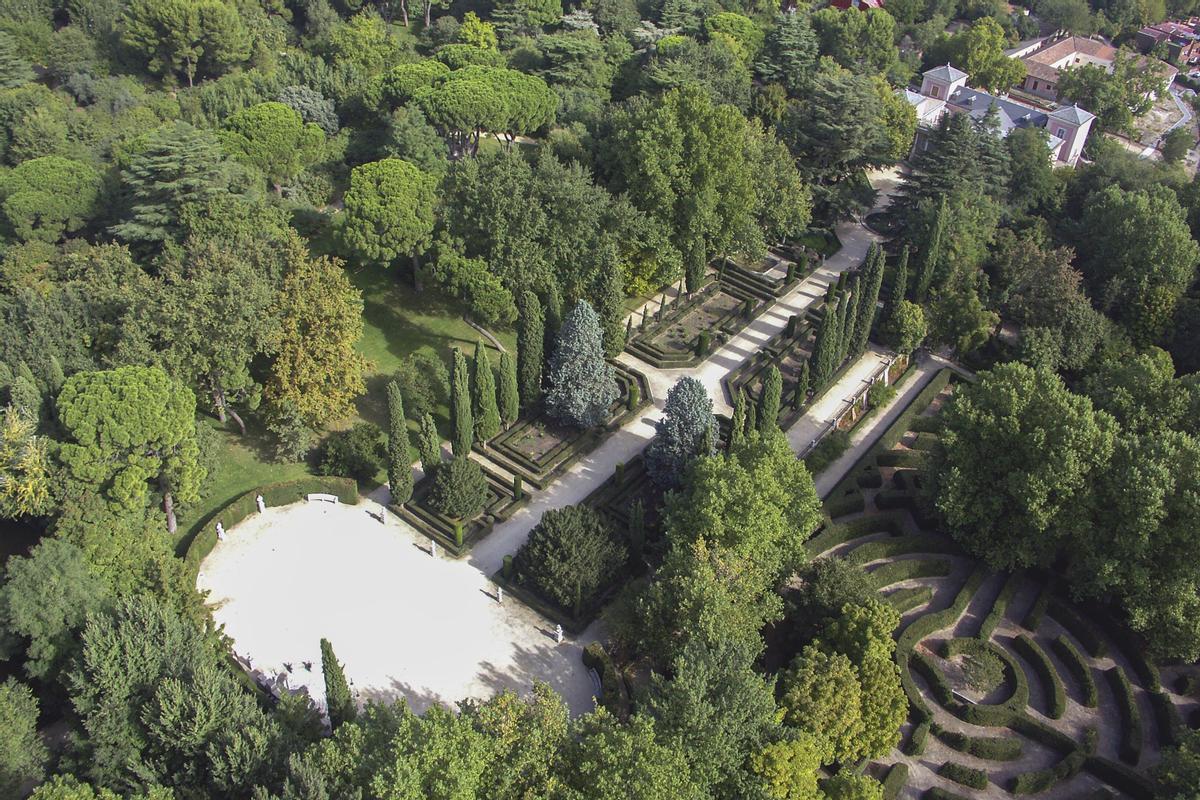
(1167, 718)
(909, 569)
(1083, 630)
(905, 600)
(274, 494)
(923, 424)
(939, 687)
(896, 778)
(870, 479)
(1056, 695)
(1130, 747)
(850, 503)
(991, 748)
(1033, 617)
(1080, 670)
(1004, 714)
(902, 545)
(1129, 781)
(1039, 780)
(918, 739)
(1000, 607)
(613, 694)
(837, 533)
(1134, 648)
(967, 776)
(901, 458)
(925, 441)
(938, 793)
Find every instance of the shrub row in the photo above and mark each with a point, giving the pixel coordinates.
(922, 424)
(851, 502)
(939, 687)
(1056, 695)
(967, 776)
(1126, 780)
(1079, 668)
(905, 600)
(1039, 780)
(896, 778)
(925, 441)
(613, 693)
(274, 494)
(1083, 630)
(1033, 617)
(918, 739)
(871, 478)
(993, 716)
(501, 504)
(909, 569)
(1132, 644)
(991, 748)
(1130, 746)
(1166, 718)
(923, 626)
(1000, 607)
(938, 793)
(901, 545)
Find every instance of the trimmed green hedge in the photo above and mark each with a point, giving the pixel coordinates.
(905, 600)
(938, 793)
(1130, 746)
(909, 569)
(896, 778)
(1033, 617)
(1056, 695)
(967, 776)
(850, 503)
(274, 494)
(1082, 629)
(1134, 648)
(926, 425)
(1039, 780)
(901, 458)
(1167, 718)
(991, 748)
(933, 675)
(1129, 781)
(613, 694)
(1000, 607)
(902, 545)
(918, 739)
(838, 533)
(1079, 669)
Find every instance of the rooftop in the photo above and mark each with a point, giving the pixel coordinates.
(946, 73)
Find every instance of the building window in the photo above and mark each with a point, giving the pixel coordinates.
(1035, 86)
(1061, 133)
(935, 91)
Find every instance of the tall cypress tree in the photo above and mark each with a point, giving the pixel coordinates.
(531, 330)
(802, 381)
(845, 309)
(510, 397)
(338, 699)
(770, 400)
(483, 396)
(825, 349)
(429, 445)
(871, 284)
(461, 418)
(899, 281)
(552, 307)
(932, 255)
(737, 429)
(850, 304)
(399, 462)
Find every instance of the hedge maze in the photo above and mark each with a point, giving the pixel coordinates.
(1077, 709)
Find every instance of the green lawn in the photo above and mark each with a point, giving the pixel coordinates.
(397, 321)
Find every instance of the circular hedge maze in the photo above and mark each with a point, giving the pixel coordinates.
(1012, 689)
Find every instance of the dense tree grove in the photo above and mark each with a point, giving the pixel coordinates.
(243, 243)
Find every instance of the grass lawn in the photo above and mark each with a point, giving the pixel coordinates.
(397, 321)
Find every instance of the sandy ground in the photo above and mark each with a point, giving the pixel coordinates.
(403, 623)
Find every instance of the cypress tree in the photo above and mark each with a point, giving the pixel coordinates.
(824, 350)
(461, 417)
(737, 430)
(751, 418)
(770, 400)
(899, 282)
(802, 381)
(429, 445)
(870, 285)
(483, 396)
(531, 330)
(845, 310)
(850, 317)
(637, 528)
(510, 399)
(399, 462)
(14, 70)
(338, 699)
(932, 255)
(553, 310)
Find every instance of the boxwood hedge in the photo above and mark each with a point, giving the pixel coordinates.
(967, 776)
(1056, 695)
(1079, 669)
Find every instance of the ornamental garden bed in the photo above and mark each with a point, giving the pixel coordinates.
(458, 537)
(538, 449)
(684, 332)
(788, 350)
(769, 278)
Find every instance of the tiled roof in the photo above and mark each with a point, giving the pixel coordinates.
(1071, 45)
(945, 73)
(1072, 114)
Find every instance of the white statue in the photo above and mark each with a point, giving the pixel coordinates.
(558, 634)
(220, 532)
(499, 594)
(262, 505)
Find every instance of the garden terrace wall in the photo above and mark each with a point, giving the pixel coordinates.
(501, 504)
(756, 282)
(641, 342)
(542, 471)
(274, 494)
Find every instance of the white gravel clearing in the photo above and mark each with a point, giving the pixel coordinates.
(403, 624)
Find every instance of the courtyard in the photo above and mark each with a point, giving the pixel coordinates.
(404, 624)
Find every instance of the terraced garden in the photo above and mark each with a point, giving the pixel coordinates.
(1013, 690)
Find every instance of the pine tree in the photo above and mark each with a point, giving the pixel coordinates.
(933, 254)
(899, 282)
(870, 285)
(683, 434)
(510, 399)
(399, 462)
(582, 385)
(14, 70)
(461, 418)
(770, 400)
(483, 396)
(338, 699)
(531, 328)
(429, 445)
(737, 429)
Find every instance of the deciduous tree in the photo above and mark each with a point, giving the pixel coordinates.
(23, 756)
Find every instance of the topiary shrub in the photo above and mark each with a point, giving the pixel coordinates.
(459, 489)
(357, 453)
(918, 739)
(1056, 695)
(570, 557)
(967, 776)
